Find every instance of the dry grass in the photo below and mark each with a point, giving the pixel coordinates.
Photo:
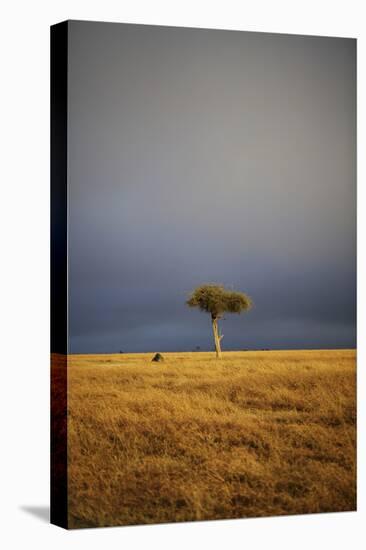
(256, 434)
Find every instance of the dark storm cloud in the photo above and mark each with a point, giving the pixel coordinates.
(199, 156)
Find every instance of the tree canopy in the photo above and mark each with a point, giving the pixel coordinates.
(216, 300)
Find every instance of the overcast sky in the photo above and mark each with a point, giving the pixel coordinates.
(210, 156)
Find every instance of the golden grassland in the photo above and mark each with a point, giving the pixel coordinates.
(193, 438)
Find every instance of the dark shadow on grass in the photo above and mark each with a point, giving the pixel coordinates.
(40, 512)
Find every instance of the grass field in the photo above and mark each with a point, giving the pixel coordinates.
(255, 434)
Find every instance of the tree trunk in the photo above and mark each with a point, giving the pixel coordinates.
(217, 338)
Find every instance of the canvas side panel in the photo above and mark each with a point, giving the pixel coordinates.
(59, 64)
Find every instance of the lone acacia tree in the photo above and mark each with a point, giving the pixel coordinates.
(217, 300)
